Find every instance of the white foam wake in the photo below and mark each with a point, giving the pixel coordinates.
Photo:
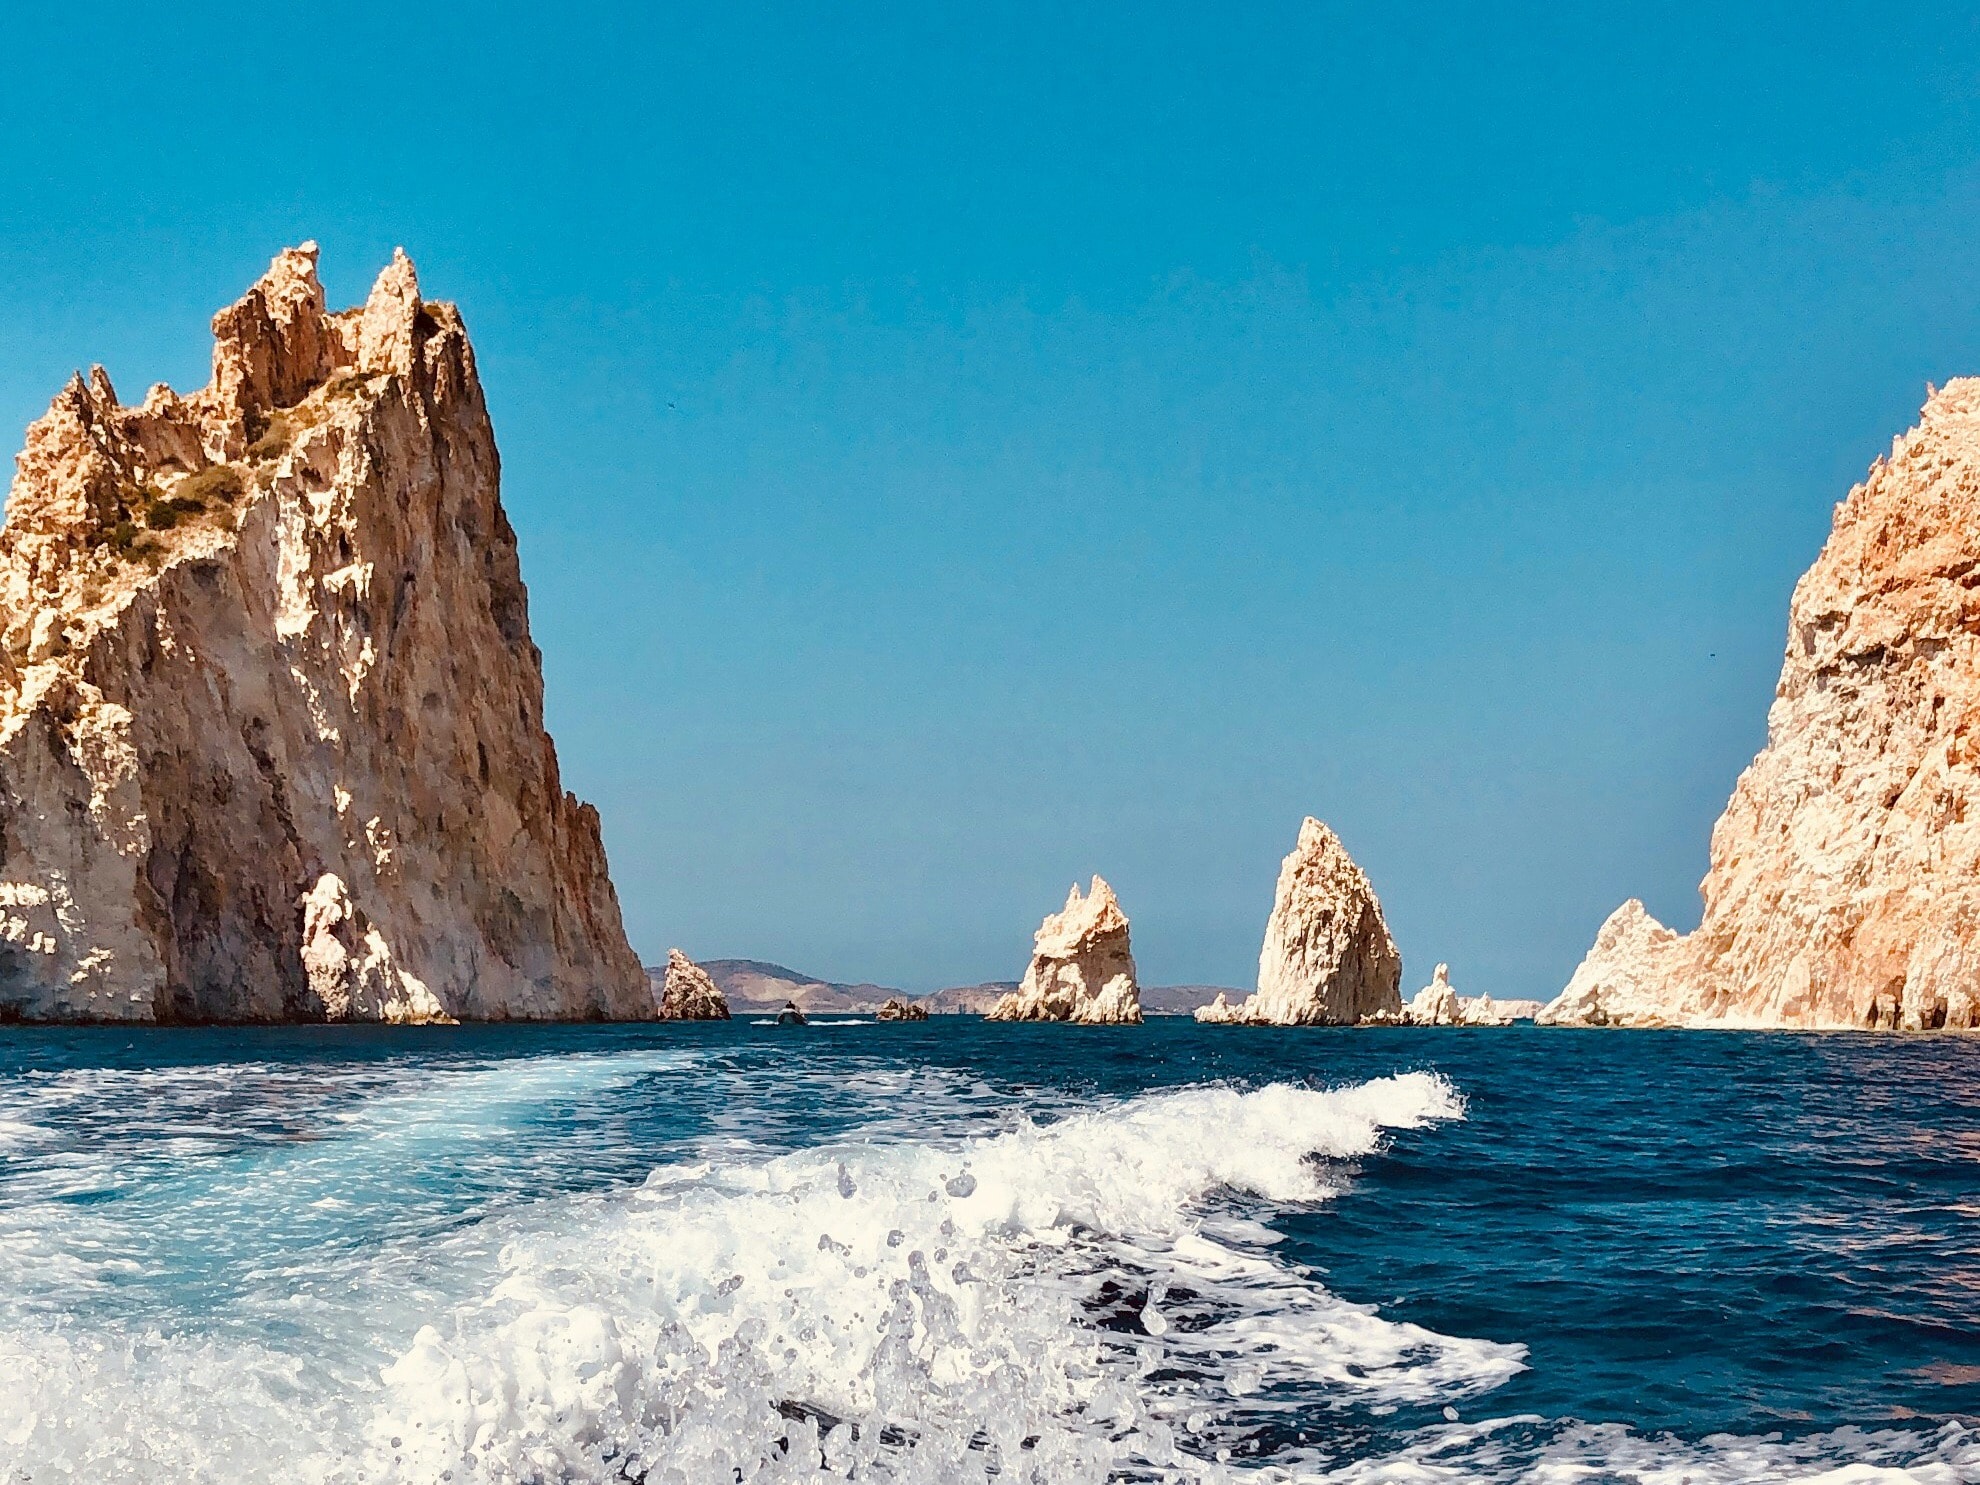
(1045, 1303)
(1087, 1300)
(1051, 1303)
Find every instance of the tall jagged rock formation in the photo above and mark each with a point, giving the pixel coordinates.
(1082, 968)
(271, 723)
(688, 994)
(1844, 889)
(1328, 959)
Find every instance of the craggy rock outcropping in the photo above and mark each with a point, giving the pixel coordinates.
(1328, 959)
(1082, 968)
(1436, 1004)
(1844, 888)
(271, 724)
(897, 1009)
(688, 994)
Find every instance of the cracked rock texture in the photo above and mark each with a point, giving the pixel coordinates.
(1328, 959)
(1844, 888)
(271, 723)
(1082, 968)
(688, 994)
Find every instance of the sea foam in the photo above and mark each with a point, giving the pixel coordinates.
(1092, 1297)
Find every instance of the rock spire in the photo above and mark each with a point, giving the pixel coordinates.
(1082, 968)
(271, 723)
(1436, 1004)
(688, 994)
(1328, 959)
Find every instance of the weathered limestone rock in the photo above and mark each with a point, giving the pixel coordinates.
(1844, 888)
(1627, 977)
(1082, 968)
(271, 724)
(1436, 1004)
(1328, 959)
(1482, 1010)
(896, 1009)
(688, 994)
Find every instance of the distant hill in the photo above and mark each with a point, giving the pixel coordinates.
(757, 984)
(968, 1000)
(1180, 1000)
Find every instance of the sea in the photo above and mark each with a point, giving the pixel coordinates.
(955, 1251)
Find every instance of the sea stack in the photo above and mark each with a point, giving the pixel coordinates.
(1082, 968)
(1328, 959)
(1844, 888)
(688, 994)
(271, 723)
(1436, 1004)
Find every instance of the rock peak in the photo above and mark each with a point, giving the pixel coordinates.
(1327, 958)
(1082, 966)
(689, 993)
(271, 726)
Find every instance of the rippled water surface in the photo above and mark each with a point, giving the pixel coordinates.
(956, 1251)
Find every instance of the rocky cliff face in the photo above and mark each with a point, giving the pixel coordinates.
(1844, 888)
(688, 994)
(271, 724)
(1328, 959)
(1082, 968)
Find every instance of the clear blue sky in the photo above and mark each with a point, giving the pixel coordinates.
(959, 450)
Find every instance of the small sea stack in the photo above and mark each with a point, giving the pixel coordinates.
(897, 1009)
(688, 994)
(1082, 968)
(1328, 959)
(1436, 1004)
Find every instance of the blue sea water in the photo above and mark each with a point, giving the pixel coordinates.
(958, 1251)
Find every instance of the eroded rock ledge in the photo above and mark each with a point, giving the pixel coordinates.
(271, 723)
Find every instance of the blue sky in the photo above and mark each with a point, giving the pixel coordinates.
(958, 450)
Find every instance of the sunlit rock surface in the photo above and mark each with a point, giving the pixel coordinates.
(1436, 1004)
(1328, 959)
(688, 994)
(1082, 968)
(271, 723)
(1844, 888)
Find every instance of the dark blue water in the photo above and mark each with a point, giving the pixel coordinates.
(1724, 1255)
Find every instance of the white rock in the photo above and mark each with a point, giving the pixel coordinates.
(1436, 1004)
(688, 994)
(1082, 967)
(1328, 958)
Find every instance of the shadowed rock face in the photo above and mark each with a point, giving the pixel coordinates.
(1082, 968)
(271, 723)
(1328, 959)
(1844, 889)
(688, 994)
